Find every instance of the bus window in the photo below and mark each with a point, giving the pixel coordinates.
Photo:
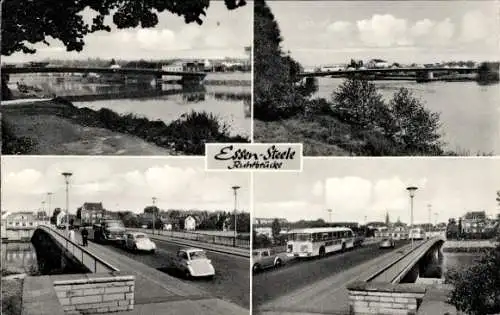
(330, 236)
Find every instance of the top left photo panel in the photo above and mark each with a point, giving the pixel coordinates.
(123, 77)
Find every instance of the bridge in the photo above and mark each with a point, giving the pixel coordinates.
(187, 76)
(102, 278)
(366, 280)
(485, 72)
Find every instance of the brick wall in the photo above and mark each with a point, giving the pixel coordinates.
(382, 298)
(95, 293)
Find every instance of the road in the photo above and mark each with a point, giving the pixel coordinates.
(296, 274)
(231, 282)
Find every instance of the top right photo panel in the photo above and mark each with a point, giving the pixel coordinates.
(378, 78)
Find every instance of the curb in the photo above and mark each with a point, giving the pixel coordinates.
(203, 246)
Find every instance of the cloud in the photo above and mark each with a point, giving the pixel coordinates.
(383, 31)
(340, 27)
(422, 28)
(347, 193)
(474, 27)
(445, 30)
(318, 189)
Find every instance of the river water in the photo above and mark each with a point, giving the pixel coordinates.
(470, 113)
(231, 104)
(19, 257)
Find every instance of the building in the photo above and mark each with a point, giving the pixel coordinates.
(377, 64)
(91, 212)
(189, 223)
(268, 221)
(177, 66)
(20, 220)
(474, 222)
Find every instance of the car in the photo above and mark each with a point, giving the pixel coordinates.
(265, 258)
(108, 231)
(193, 262)
(387, 243)
(138, 241)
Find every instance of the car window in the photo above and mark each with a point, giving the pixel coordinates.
(182, 255)
(197, 255)
(255, 253)
(130, 236)
(140, 236)
(265, 254)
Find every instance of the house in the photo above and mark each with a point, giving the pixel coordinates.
(377, 64)
(20, 220)
(189, 223)
(177, 66)
(267, 231)
(91, 212)
(61, 218)
(268, 221)
(474, 222)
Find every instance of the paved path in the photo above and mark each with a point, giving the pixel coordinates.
(159, 293)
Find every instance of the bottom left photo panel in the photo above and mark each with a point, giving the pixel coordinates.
(128, 235)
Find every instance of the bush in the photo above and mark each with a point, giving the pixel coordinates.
(477, 288)
(12, 145)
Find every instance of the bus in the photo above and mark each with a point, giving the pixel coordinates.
(319, 241)
(417, 234)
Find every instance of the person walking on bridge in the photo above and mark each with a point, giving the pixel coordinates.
(85, 235)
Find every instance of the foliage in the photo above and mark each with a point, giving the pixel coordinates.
(260, 240)
(243, 224)
(26, 22)
(53, 219)
(278, 92)
(12, 145)
(151, 210)
(276, 228)
(12, 292)
(477, 288)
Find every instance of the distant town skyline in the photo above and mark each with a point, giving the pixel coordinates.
(223, 33)
(359, 188)
(399, 31)
(120, 183)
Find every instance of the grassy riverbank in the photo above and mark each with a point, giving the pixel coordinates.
(12, 296)
(31, 128)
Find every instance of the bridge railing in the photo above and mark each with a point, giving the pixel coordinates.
(89, 260)
(204, 238)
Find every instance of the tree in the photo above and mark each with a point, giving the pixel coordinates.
(26, 22)
(53, 219)
(276, 228)
(498, 197)
(151, 210)
(415, 129)
(476, 289)
(387, 221)
(79, 213)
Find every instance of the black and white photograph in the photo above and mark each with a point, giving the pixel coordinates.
(378, 78)
(123, 78)
(377, 236)
(123, 235)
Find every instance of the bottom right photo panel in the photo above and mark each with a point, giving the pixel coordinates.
(378, 236)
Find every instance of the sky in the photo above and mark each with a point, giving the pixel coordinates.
(223, 33)
(355, 188)
(121, 183)
(398, 31)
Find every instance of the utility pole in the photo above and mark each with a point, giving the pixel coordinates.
(154, 214)
(67, 175)
(49, 200)
(235, 192)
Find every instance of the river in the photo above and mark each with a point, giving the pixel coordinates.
(470, 114)
(19, 257)
(231, 103)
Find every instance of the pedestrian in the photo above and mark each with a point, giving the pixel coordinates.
(85, 235)
(72, 235)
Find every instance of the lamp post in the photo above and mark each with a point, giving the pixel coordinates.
(411, 191)
(67, 175)
(49, 200)
(154, 215)
(329, 215)
(235, 192)
(429, 208)
(43, 211)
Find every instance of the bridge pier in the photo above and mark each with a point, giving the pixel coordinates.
(188, 80)
(425, 76)
(488, 72)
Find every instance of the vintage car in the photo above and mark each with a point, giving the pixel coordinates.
(138, 241)
(112, 231)
(387, 243)
(193, 262)
(265, 258)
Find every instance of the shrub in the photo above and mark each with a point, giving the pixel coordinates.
(12, 145)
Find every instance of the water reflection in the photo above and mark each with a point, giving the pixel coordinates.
(18, 257)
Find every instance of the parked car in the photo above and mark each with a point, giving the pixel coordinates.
(193, 262)
(358, 240)
(264, 259)
(387, 243)
(138, 241)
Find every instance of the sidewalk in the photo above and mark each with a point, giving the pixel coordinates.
(159, 293)
(237, 251)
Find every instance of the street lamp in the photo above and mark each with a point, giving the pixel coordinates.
(67, 175)
(411, 191)
(329, 215)
(49, 200)
(429, 207)
(154, 215)
(235, 191)
(43, 210)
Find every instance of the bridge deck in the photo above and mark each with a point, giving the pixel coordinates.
(385, 71)
(396, 271)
